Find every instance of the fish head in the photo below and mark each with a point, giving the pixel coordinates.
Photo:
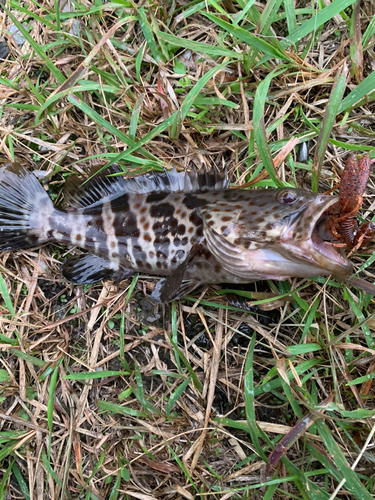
(275, 234)
(305, 235)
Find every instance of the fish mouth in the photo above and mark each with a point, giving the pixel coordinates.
(315, 244)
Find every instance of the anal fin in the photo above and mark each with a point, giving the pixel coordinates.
(88, 268)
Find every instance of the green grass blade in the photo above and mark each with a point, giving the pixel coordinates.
(274, 384)
(308, 489)
(241, 15)
(147, 32)
(175, 334)
(361, 320)
(139, 392)
(182, 466)
(147, 138)
(4, 292)
(269, 15)
(29, 13)
(195, 91)
(6, 340)
(322, 17)
(175, 396)
(115, 488)
(352, 484)
(329, 120)
(57, 14)
(30, 359)
(298, 350)
(189, 368)
(21, 481)
(83, 87)
(121, 410)
(96, 375)
(310, 318)
(50, 471)
(209, 50)
(369, 33)
(249, 399)
(260, 129)
(135, 117)
(4, 480)
(363, 91)
(51, 398)
(290, 14)
(252, 40)
(111, 129)
(38, 48)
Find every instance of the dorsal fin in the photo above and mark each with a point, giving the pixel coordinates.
(101, 186)
(81, 193)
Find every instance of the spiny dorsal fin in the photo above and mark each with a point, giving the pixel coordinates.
(101, 186)
(82, 193)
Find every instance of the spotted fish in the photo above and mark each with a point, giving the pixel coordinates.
(189, 227)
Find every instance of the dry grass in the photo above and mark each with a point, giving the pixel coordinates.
(104, 395)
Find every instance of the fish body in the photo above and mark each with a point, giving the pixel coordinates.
(189, 227)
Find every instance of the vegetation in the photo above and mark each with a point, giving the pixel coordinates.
(104, 395)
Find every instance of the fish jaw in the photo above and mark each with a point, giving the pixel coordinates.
(307, 240)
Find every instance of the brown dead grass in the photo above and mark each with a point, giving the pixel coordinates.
(189, 453)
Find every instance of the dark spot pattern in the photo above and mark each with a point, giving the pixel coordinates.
(180, 254)
(156, 197)
(167, 225)
(120, 204)
(191, 201)
(195, 219)
(125, 228)
(162, 211)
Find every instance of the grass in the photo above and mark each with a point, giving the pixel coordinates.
(104, 395)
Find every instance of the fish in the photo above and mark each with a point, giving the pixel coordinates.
(188, 227)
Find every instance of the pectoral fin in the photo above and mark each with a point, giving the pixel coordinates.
(175, 286)
(88, 268)
(232, 258)
(162, 293)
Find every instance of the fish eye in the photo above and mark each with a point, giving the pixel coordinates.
(287, 197)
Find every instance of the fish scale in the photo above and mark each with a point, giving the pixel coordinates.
(186, 226)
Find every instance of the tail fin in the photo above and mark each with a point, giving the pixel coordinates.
(24, 209)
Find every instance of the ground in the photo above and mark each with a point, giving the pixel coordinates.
(104, 395)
